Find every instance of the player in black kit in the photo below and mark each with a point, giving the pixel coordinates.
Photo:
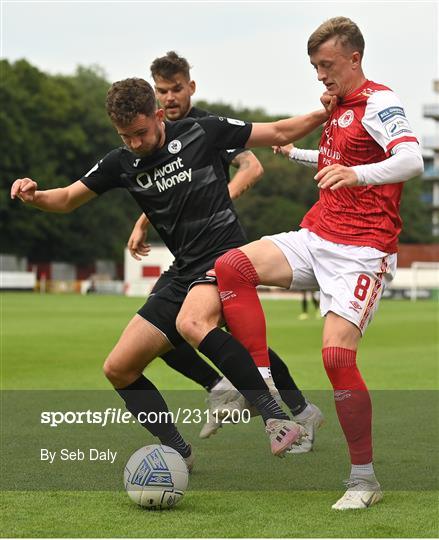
(174, 89)
(174, 172)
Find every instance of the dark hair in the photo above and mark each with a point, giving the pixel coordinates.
(340, 27)
(169, 65)
(128, 98)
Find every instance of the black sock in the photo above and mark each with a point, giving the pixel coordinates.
(304, 304)
(186, 361)
(315, 301)
(288, 390)
(142, 398)
(235, 362)
(176, 441)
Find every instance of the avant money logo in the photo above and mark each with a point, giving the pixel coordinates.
(165, 177)
(144, 180)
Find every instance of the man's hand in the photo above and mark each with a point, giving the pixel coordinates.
(335, 177)
(24, 189)
(329, 102)
(137, 243)
(283, 150)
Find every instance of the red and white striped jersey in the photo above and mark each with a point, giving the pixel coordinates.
(363, 129)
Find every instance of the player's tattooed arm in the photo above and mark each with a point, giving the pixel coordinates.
(137, 245)
(249, 172)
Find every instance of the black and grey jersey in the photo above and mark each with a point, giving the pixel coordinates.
(227, 156)
(181, 187)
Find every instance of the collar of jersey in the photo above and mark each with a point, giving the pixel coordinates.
(355, 94)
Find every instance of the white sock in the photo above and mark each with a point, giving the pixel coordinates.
(265, 372)
(222, 385)
(362, 470)
(307, 412)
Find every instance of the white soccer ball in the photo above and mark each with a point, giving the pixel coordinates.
(156, 477)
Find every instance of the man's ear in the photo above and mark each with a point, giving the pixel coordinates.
(160, 115)
(356, 59)
(192, 87)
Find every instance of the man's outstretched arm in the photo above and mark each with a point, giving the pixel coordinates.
(289, 130)
(404, 163)
(60, 200)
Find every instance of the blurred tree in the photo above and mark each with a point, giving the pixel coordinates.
(416, 228)
(54, 129)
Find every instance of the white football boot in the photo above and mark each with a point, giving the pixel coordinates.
(311, 424)
(283, 434)
(232, 410)
(190, 460)
(362, 492)
(228, 411)
(215, 400)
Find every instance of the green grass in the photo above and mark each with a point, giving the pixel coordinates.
(228, 514)
(55, 342)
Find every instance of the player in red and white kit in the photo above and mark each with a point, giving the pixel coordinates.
(348, 241)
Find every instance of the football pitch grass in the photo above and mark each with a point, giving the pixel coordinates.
(53, 344)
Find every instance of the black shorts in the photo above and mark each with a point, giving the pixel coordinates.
(166, 298)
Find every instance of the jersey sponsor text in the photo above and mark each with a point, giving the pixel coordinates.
(160, 176)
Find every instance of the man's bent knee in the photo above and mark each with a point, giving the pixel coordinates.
(119, 376)
(259, 263)
(234, 266)
(193, 330)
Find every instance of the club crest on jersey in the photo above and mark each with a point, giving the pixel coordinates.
(174, 146)
(346, 118)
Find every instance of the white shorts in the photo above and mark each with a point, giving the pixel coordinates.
(351, 279)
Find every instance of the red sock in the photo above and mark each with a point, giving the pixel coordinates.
(352, 402)
(237, 281)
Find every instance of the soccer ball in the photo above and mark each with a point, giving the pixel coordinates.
(156, 477)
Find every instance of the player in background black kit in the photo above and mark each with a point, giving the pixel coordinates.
(174, 172)
(304, 315)
(174, 90)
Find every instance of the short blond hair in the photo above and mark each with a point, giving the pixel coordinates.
(342, 28)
